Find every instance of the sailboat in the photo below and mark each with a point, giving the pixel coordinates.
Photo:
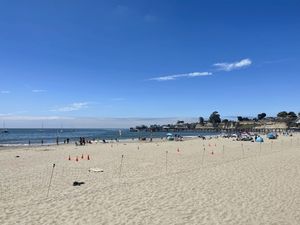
(61, 128)
(42, 127)
(4, 130)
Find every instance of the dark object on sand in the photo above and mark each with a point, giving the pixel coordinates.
(272, 135)
(17, 156)
(53, 166)
(76, 183)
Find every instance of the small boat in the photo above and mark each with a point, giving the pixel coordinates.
(133, 129)
(4, 130)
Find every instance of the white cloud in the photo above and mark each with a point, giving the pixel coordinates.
(4, 114)
(12, 113)
(32, 118)
(5, 92)
(38, 90)
(176, 76)
(84, 122)
(234, 65)
(72, 107)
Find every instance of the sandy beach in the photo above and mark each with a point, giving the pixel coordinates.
(217, 181)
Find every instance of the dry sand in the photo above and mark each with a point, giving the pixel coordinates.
(154, 183)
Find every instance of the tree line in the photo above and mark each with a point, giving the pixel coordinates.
(215, 117)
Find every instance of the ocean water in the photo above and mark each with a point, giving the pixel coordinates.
(16, 137)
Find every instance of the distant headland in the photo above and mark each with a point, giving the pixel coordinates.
(282, 122)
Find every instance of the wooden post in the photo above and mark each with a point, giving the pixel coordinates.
(243, 150)
(259, 148)
(223, 152)
(271, 145)
(166, 161)
(202, 162)
(121, 165)
(50, 179)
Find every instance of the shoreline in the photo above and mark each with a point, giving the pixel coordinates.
(100, 141)
(114, 141)
(120, 140)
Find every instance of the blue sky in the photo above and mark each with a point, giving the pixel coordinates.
(65, 62)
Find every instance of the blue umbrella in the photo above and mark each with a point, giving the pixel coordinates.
(271, 136)
(259, 139)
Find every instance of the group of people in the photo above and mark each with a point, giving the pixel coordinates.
(82, 141)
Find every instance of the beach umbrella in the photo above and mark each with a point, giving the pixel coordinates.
(259, 139)
(169, 134)
(271, 136)
(170, 138)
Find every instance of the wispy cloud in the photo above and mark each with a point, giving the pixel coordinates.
(38, 90)
(5, 92)
(32, 118)
(234, 65)
(72, 107)
(85, 122)
(13, 113)
(177, 76)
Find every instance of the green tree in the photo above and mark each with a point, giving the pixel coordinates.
(282, 114)
(292, 115)
(215, 118)
(201, 120)
(261, 116)
(239, 118)
(225, 121)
